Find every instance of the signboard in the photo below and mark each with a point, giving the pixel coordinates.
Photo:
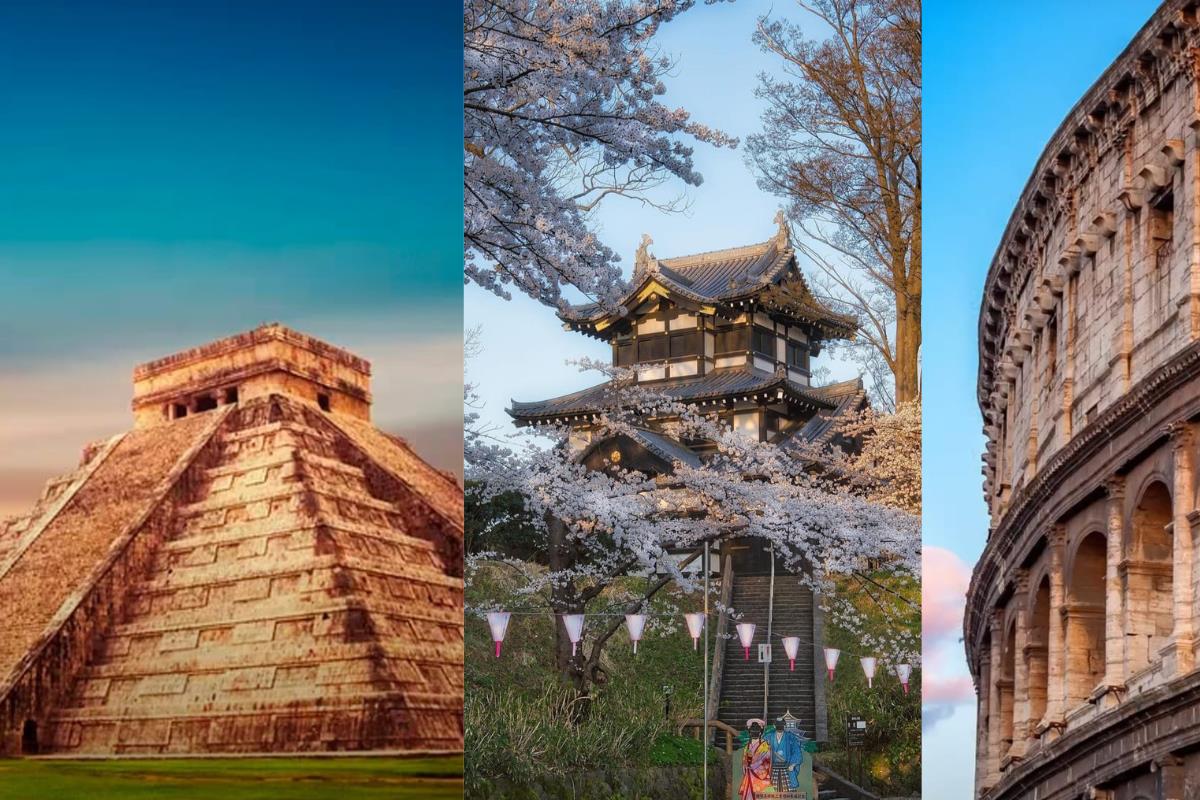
(856, 731)
(764, 654)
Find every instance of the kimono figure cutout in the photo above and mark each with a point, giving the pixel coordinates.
(787, 754)
(756, 764)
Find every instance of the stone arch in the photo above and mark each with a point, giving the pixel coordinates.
(1146, 572)
(1005, 682)
(1036, 650)
(1083, 615)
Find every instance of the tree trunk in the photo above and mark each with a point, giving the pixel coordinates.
(908, 343)
(565, 599)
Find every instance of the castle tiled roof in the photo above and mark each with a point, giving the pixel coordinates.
(721, 383)
(722, 277)
(847, 396)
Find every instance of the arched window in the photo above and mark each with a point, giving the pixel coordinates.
(1008, 664)
(1084, 618)
(1036, 653)
(1148, 577)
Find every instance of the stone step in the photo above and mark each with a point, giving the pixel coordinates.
(54, 568)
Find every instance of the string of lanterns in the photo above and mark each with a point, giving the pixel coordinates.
(636, 625)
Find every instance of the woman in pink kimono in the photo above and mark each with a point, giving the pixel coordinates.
(756, 763)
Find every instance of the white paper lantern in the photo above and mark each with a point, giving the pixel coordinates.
(636, 624)
(791, 644)
(831, 658)
(574, 625)
(868, 665)
(746, 636)
(695, 623)
(904, 672)
(498, 622)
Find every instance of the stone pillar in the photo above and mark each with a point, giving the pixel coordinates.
(1081, 621)
(1114, 594)
(1056, 651)
(1174, 777)
(1192, 174)
(994, 743)
(1021, 721)
(1193, 529)
(983, 748)
(1178, 656)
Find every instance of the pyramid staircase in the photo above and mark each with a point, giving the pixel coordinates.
(259, 578)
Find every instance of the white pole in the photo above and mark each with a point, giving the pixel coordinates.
(704, 728)
(770, 619)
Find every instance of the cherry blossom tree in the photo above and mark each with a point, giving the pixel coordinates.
(826, 514)
(561, 110)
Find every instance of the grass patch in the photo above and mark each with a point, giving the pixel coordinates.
(234, 779)
(671, 749)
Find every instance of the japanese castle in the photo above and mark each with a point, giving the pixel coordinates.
(734, 331)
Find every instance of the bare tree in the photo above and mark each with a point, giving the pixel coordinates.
(841, 141)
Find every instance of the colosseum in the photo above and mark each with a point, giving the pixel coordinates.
(1082, 617)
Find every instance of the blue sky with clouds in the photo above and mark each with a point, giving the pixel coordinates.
(999, 78)
(175, 172)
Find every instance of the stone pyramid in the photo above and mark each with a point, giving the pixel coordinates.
(252, 568)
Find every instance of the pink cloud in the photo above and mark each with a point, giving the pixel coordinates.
(944, 581)
(947, 690)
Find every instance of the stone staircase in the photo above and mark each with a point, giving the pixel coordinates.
(741, 695)
(51, 566)
(278, 615)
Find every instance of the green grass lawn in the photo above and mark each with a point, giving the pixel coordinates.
(234, 779)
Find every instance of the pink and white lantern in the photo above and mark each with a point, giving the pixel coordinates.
(791, 644)
(498, 622)
(904, 672)
(868, 665)
(636, 624)
(695, 623)
(574, 626)
(831, 658)
(746, 636)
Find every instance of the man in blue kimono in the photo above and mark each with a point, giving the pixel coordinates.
(787, 754)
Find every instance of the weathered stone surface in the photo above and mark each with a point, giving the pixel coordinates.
(1080, 624)
(252, 578)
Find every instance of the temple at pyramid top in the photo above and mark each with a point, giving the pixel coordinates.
(271, 359)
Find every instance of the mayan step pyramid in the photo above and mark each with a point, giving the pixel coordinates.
(252, 568)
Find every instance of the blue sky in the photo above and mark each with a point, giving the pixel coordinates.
(175, 172)
(715, 75)
(998, 80)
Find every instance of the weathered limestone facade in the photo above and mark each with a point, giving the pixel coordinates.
(1082, 615)
(252, 568)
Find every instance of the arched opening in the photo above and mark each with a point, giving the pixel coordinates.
(1036, 653)
(1147, 572)
(1084, 618)
(29, 738)
(985, 710)
(1008, 664)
